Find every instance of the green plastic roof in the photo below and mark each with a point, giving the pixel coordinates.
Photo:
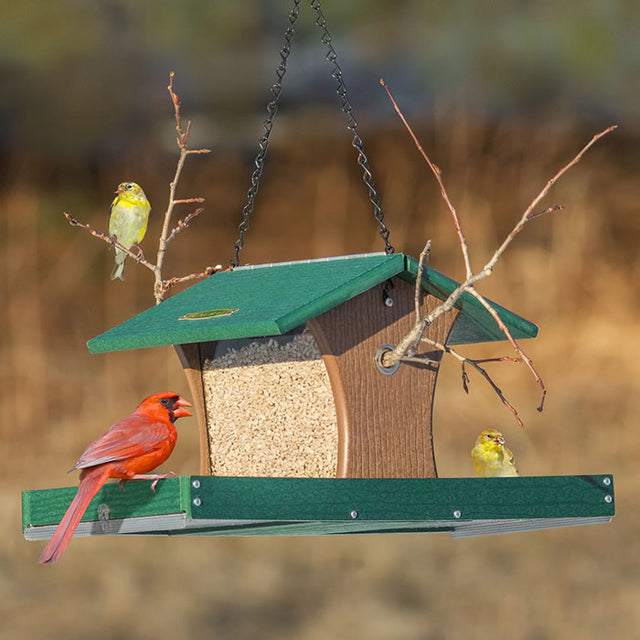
(273, 299)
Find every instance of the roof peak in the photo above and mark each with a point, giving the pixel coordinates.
(373, 254)
(272, 299)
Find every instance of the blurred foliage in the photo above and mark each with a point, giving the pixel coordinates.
(79, 80)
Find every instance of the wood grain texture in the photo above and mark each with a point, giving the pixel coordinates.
(191, 357)
(384, 421)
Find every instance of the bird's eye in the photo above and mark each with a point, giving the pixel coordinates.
(129, 187)
(166, 402)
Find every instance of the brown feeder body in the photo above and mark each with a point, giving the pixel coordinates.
(284, 366)
(354, 307)
(384, 422)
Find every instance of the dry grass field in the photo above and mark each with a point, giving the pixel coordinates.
(575, 274)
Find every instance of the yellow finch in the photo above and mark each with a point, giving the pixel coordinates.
(491, 458)
(127, 221)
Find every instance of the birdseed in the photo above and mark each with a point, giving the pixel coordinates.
(270, 409)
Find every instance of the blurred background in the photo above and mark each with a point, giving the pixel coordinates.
(501, 96)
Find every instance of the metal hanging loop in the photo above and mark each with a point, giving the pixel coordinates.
(272, 109)
(352, 125)
(345, 106)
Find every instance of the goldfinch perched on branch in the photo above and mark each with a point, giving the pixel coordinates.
(491, 458)
(127, 221)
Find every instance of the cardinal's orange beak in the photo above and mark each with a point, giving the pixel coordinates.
(181, 412)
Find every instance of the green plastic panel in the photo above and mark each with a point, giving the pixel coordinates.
(474, 321)
(400, 499)
(47, 506)
(203, 505)
(273, 299)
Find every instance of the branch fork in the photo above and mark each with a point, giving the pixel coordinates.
(162, 286)
(407, 347)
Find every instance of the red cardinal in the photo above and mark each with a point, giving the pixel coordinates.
(128, 450)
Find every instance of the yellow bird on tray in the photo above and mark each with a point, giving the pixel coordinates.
(491, 458)
(127, 221)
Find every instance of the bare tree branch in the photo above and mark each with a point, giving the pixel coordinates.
(110, 240)
(161, 286)
(407, 347)
(183, 224)
(437, 173)
(424, 258)
(528, 214)
(521, 354)
(188, 200)
(167, 284)
(182, 140)
(482, 371)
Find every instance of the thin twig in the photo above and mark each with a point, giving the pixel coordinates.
(161, 286)
(438, 174)
(521, 354)
(528, 213)
(183, 224)
(407, 347)
(552, 209)
(167, 284)
(182, 140)
(424, 257)
(483, 372)
(110, 240)
(497, 359)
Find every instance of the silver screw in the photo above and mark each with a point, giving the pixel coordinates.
(608, 499)
(354, 514)
(457, 513)
(388, 301)
(197, 502)
(606, 481)
(196, 484)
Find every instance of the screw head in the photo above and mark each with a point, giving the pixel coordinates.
(606, 481)
(388, 301)
(197, 502)
(608, 499)
(457, 513)
(354, 514)
(196, 484)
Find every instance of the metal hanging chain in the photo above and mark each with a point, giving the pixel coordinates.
(272, 109)
(352, 125)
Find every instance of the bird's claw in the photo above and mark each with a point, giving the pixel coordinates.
(138, 248)
(171, 474)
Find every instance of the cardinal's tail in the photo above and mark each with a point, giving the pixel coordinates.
(91, 481)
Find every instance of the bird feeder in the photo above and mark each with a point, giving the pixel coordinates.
(303, 430)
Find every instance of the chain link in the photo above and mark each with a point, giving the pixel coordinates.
(272, 109)
(345, 106)
(352, 125)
